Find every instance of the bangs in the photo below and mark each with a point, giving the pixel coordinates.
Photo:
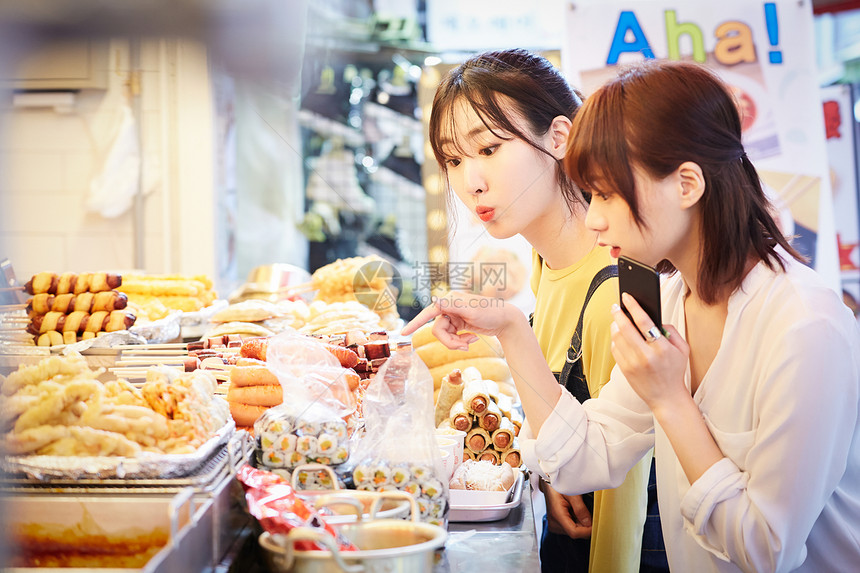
(598, 156)
(444, 139)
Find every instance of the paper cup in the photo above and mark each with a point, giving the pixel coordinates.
(447, 463)
(454, 449)
(459, 437)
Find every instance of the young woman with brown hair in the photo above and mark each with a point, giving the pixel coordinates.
(751, 401)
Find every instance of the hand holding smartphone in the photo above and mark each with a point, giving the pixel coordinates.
(642, 283)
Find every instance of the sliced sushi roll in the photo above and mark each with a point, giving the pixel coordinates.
(423, 506)
(381, 474)
(305, 428)
(365, 487)
(437, 508)
(268, 440)
(325, 460)
(286, 443)
(307, 445)
(362, 474)
(274, 459)
(323, 480)
(341, 454)
(306, 480)
(296, 459)
(277, 426)
(326, 443)
(388, 487)
(432, 488)
(421, 471)
(412, 487)
(337, 428)
(400, 475)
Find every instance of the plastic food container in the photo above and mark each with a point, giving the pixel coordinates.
(385, 545)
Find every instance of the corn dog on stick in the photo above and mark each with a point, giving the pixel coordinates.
(476, 395)
(450, 391)
(477, 440)
(489, 455)
(460, 418)
(512, 455)
(504, 436)
(491, 418)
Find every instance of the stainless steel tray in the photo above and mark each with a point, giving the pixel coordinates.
(147, 466)
(467, 513)
(189, 523)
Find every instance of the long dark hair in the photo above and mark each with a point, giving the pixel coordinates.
(657, 115)
(536, 89)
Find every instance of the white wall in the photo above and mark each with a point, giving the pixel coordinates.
(49, 159)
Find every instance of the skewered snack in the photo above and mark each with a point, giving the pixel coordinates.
(254, 348)
(461, 419)
(44, 303)
(512, 455)
(157, 295)
(47, 282)
(79, 321)
(489, 455)
(504, 435)
(492, 417)
(491, 432)
(477, 440)
(476, 393)
(450, 391)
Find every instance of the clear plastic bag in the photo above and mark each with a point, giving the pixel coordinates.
(399, 448)
(310, 426)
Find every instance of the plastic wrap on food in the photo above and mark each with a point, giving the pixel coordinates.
(109, 340)
(146, 465)
(202, 316)
(159, 331)
(288, 437)
(399, 450)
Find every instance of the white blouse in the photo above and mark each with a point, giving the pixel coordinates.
(781, 399)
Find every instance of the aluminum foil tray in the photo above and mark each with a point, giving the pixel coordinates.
(147, 465)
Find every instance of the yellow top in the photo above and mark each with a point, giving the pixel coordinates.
(619, 514)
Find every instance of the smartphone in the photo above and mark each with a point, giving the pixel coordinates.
(642, 283)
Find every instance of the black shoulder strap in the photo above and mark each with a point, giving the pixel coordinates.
(572, 375)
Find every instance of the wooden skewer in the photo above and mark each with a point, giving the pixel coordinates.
(167, 346)
(155, 352)
(129, 372)
(214, 363)
(12, 307)
(149, 362)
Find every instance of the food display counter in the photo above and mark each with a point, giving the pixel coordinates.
(177, 427)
